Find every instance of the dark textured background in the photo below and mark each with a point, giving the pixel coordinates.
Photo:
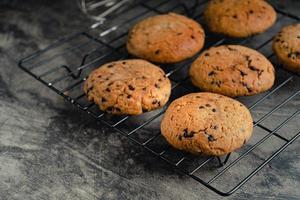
(50, 150)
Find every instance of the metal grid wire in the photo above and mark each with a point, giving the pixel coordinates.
(64, 66)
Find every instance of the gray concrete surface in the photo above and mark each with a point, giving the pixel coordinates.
(50, 150)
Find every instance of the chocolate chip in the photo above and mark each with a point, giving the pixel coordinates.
(107, 79)
(110, 83)
(215, 127)
(207, 105)
(157, 52)
(131, 87)
(156, 85)
(187, 134)
(143, 77)
(211, 138)
(180, 137)
(154, 101)
(110, 66)
(244, 84)
(107, 90)
(185, 131)
(212, 73)
(244, 142)
(247, 58)
(144, 88)
(144, 109)
(277, 40)
(253, 68)
(249, 89)
(201, 107)
(206, 54)
(129, 96)
(242, 73)
(218, 68)
(99, 76)
(251, 11)
(179, 34)
(103, 100)
(234, 16)
(229, 48)
(192, 36)
(198, 97)
(216, 82)
(218, 53)
(214, 110)
(123, 63)
(298, 36)
(160, 80)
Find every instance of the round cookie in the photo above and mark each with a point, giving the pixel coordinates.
(128, 87)
(239, 18)
(232, 70)
(207, 123)
(286, 45)
(166, 38)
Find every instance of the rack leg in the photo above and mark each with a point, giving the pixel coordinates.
(222, 163)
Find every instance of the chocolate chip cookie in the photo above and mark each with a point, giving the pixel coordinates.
(232, 70)
(166, 38)
(207, 123)
(128, 87)
(239, 18)
(286, 45)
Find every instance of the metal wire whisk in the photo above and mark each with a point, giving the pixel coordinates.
(99, 10)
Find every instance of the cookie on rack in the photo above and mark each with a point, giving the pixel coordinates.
(128, 87)
(207, 123)
(232, 70)
(286, 45)
(166, 38)
(239, 18)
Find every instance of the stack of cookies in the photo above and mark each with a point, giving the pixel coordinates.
(208, 122)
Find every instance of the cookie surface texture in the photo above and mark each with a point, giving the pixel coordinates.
(239, 18)
(128, 87)
(286, 46)
(207, 123)
(167, 38)
(232, 70)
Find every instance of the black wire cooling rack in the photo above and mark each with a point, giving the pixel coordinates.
(64, 66)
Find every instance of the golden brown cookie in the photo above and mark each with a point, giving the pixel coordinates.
(239, 18)
(232, 70)
(207, 123)
(286, 45)
(167, 38)
(128, 87)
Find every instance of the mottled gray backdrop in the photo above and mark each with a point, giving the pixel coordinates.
(50, 150)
